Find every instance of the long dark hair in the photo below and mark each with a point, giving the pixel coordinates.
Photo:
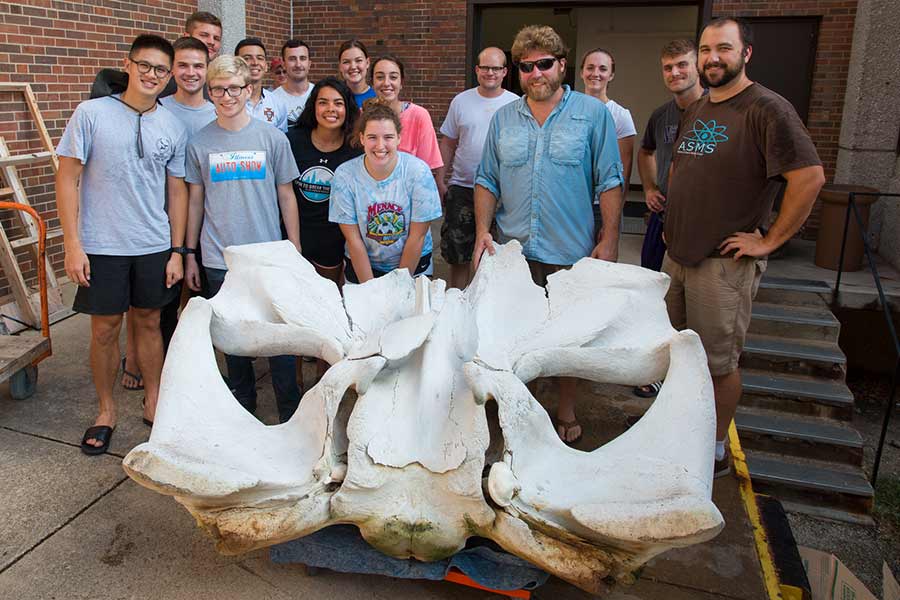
(307, 118)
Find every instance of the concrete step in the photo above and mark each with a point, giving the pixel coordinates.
(797, 322)
(805, 437)
(795, 356)
(810, 482)
(797, 394)
(799, 292)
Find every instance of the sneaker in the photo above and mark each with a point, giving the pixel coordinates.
(722, 467)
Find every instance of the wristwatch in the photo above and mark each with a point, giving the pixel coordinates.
(182, 250)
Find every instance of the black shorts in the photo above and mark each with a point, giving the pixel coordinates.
(458, 228)
(120, 282)
(350, 274)
(322, 244)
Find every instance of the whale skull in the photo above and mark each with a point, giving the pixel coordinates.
(406, 465)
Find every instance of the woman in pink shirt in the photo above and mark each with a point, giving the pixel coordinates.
(418, 136)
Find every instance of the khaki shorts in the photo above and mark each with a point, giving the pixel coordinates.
(541, 271)
(714, 299)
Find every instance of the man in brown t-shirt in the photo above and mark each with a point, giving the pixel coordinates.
(735, 150)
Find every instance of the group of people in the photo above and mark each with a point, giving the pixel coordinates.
(354, 176)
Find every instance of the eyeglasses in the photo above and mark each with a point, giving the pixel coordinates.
(145, 67)
(542, 65)
(233, 90)
(490, 69)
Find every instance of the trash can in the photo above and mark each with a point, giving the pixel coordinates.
(831, 226)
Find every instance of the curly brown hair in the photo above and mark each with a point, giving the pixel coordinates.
(538, 37)
(375, 109)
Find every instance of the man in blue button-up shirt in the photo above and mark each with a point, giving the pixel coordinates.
(547, 156)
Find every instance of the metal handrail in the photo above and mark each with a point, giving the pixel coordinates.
(851, 206)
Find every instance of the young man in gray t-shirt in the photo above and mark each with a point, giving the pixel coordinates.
(240, 172)
(122, 248)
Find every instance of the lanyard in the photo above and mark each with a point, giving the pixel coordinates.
(140, 141)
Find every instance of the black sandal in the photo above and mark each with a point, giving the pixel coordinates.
(136, 376)
(146, 421)
(101, 433)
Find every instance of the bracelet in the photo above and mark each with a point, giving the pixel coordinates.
(182, 250)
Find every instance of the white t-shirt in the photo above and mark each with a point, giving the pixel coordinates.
(467, 121)
(622, 118)
(271, 109)
(293, 104)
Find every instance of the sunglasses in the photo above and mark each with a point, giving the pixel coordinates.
(543, 65)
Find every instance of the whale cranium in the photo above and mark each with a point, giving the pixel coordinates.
(404, 461)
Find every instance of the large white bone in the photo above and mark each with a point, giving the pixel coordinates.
(404, 462)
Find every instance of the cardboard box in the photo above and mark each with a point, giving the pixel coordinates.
(830, 579)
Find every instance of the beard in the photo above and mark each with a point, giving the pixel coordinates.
(540, 93)
(729, 73)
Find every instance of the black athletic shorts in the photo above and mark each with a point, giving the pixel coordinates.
(322, 244)
(458, 227)
(119, 282)
(350, 274)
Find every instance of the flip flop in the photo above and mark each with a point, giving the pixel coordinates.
(647, 391)
(146, 421)
(102, 433)
(136, 376)
(568, 426)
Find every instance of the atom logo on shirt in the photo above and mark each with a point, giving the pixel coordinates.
(703, 139)
(385, 223)
(237, 165)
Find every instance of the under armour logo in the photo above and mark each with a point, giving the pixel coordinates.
(323, 161)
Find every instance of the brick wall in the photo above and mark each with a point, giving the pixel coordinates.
(58, 47)
(830, 73)
(269, 20)
(430, 37)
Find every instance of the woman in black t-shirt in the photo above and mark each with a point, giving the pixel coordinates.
(321, 143)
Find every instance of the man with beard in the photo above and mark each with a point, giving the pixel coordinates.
(546, 157)
(679, 71)
(736, 149)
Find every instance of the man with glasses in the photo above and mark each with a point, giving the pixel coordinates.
(464, 131)
(546, 157)
(240, 172)
(268, 108)
(122, 249)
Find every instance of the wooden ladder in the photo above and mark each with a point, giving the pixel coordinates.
(24, 310)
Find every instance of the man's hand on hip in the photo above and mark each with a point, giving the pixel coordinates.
(746, 244)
